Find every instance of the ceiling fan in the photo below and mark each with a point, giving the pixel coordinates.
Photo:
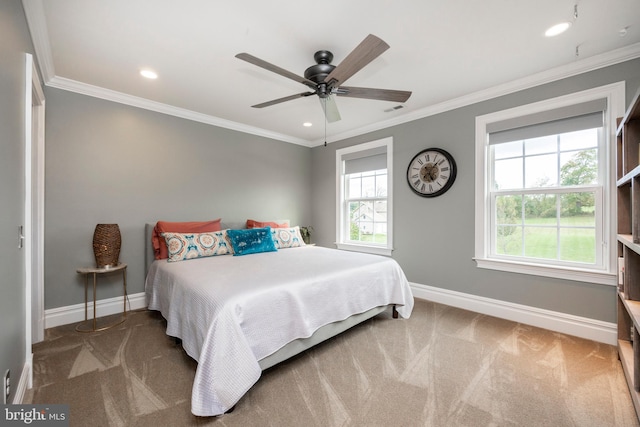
(325, 79)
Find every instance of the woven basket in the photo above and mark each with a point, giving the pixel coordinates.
(106, 245)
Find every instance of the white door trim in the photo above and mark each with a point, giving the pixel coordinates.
(37, 209)
(32, 239)
(26, 228)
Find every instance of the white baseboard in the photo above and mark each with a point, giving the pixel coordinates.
(25, 381)
(75, 313)
(582, 327)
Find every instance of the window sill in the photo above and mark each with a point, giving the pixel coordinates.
(581, 275)
(376, 250)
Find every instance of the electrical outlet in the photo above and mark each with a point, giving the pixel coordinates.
(7, 386)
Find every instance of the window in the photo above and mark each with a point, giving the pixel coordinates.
(363, 179)
(544, 198)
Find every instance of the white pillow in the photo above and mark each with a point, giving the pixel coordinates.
(287, 237)
(182, 246)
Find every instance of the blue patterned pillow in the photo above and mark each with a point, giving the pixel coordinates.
(251, 241)
(287, 237)
(182, 246)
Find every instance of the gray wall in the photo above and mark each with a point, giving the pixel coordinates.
(434, 238)
(111, 163)
(14, 43)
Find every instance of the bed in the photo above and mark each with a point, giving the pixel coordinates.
(239, 315)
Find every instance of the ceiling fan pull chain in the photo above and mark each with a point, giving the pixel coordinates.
(324, 101)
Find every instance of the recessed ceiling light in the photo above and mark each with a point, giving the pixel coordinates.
(307, 124)
(148, 74)
(557, 29)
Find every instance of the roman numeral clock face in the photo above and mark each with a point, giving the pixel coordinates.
(431, 172)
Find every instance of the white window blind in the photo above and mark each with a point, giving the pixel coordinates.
(365, 161)
(586, 115)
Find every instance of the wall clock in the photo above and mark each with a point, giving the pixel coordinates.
(431, 172)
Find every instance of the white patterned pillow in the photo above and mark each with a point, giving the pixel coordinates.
(287, 237)
(184, 246)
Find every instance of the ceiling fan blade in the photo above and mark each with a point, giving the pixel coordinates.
(285, 99)
(275, 69)
(368, 50)
(369, 93)
(330, 109)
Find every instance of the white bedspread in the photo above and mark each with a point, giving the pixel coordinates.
(232, 311)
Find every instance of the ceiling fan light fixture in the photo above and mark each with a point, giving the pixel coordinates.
(557, 29)
(149, 74)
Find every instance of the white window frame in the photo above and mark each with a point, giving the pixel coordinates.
(606, 273)
(342, 215)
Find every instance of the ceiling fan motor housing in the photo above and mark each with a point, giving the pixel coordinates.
(317, 73)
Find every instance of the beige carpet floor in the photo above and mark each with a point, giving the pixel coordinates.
(442, 367)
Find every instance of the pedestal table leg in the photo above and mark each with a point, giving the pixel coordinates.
(124, 297)
(94, 300)
(86, 300)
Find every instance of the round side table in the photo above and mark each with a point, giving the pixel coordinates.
(91, 325)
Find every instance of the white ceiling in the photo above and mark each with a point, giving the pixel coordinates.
(449, 53)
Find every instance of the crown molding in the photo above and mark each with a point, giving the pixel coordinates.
(34, 11)
(135, 101)
(578, 67)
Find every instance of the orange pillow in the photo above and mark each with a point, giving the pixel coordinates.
(261, 224)
(160, 246)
